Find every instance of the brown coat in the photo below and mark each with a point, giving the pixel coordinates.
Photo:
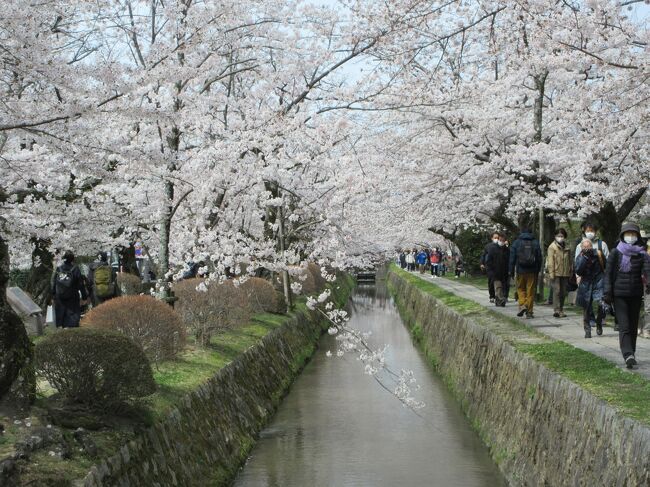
(559, 261)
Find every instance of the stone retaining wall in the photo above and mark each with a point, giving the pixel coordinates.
(542, 429)
(205, 439)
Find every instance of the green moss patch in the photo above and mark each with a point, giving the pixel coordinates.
(627, 392)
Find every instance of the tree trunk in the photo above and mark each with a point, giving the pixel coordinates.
(17, 379)
(286, 285)
(609, 219)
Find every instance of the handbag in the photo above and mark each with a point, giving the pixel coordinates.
(572, 285)
(50, 317)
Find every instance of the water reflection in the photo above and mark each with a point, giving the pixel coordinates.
(337, 427)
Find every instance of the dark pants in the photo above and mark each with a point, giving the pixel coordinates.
(559, 292)
(67, 312)
(434, 269)
(627, 314)
(499, 290)
(588, 315)
(491, 287)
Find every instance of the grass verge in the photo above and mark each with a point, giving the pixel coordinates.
(626, 392)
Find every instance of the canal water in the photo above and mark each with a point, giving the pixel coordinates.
(339, 428)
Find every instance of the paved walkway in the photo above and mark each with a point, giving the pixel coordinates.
(568, 329)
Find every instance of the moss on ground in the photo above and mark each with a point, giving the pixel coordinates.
(628, 393)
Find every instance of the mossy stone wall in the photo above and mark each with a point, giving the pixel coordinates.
(208, 435)
(542, 429)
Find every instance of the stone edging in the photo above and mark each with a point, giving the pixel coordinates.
(542, 429)
(206, 437)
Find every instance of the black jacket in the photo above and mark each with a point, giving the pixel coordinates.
(625, 284)
(496, 261)
(77, 284)
(515, 250)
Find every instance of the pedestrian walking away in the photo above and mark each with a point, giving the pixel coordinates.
(559, 264)
(69, 293)
(103, 280)
(626, 278)
(590, 287)
(526, 261)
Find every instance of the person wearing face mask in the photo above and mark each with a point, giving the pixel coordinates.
(559, 265)
(496, 263)
(626, 275)
(590, 289)
(526, 261)
(494, 241)
(589, 231)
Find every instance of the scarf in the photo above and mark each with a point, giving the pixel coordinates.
(627, 252)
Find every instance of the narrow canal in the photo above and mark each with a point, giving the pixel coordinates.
(338, 427)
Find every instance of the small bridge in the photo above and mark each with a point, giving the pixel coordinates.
(366, 277)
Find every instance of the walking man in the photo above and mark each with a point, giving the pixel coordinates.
(496, 264)
(67, 286)
(494, 241)
(526, 259)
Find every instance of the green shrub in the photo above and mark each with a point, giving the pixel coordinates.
(150, 323)
(94, 367)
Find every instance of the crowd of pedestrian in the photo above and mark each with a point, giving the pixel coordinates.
(615, 281)
(433, 260)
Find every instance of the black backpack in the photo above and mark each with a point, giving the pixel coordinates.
(526, 254)
(64, 283)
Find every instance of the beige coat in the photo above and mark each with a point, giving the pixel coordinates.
(558, 261)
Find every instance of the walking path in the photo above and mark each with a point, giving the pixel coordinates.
(567, 329)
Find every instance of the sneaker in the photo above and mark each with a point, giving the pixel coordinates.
(503, 305)
(521, 313)
(556, 315)
(587, 332)
(599, 329)
(491, 300)
(529, 316)
(562, 315)
(630, 362)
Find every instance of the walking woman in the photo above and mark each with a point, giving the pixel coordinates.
(558, 264)
(628, 266)
(590, 289)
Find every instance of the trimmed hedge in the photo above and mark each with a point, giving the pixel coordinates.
(150, 323)
(94, 367)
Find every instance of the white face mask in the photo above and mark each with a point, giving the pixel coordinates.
(630, 239)
(559, 239)
(590, 235)
(495, 240)
(501, 244)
